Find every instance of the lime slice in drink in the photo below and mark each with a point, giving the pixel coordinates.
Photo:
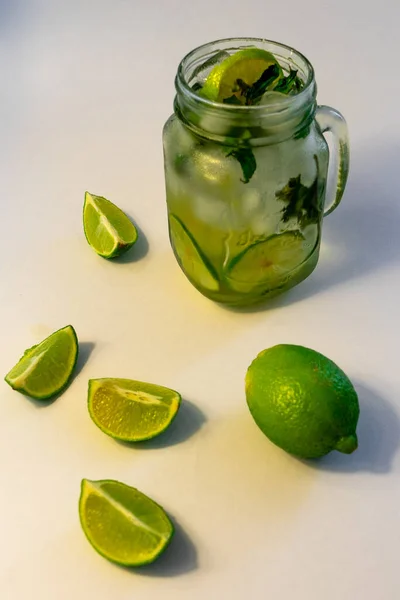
(193, 261)
(46, 369)
(268, 261)
(130, 410)
(122, 524)
(246, 65)
(107, 229)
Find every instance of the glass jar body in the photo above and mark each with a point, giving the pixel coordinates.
(224, 230)
(246, 185)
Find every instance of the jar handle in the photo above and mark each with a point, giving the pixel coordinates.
(331, 120)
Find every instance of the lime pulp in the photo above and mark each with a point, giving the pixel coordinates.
(122, 524)
(107, 228)
(130, 410)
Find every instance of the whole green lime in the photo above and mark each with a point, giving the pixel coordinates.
(302, 401)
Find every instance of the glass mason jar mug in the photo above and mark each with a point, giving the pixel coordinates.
(246, 183)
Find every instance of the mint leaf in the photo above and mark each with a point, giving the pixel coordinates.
(302, 202)
(196, 87)
(254, 93)
(247, 161)
(180, 163)
(287, 84)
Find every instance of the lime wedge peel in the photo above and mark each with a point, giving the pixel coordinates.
(129, 410)
(194, 263)
(122, 524)
(107, 228)
(46, 369)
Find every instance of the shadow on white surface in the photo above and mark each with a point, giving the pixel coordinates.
(378, 438)
(189, 420)
(179, 558)
(357, 242)
(85, 351)
(138, 250)
(43, 403)
(360, 237)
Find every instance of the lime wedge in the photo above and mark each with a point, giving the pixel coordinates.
(130, 410)
(108, 230)
(247, 64)
(268, 261)
(193, 262)
(122, 524)
(46, 369)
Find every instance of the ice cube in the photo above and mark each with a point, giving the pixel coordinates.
(264, 224)
(251, 200)
(213, 167)
(178, 186)
(211, 211)
(181, 139)
(215, 124)
(178, 144)
(272, 98)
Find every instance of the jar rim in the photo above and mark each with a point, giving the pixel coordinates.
(182, 85)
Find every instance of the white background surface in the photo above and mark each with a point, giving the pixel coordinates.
(85, 89)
